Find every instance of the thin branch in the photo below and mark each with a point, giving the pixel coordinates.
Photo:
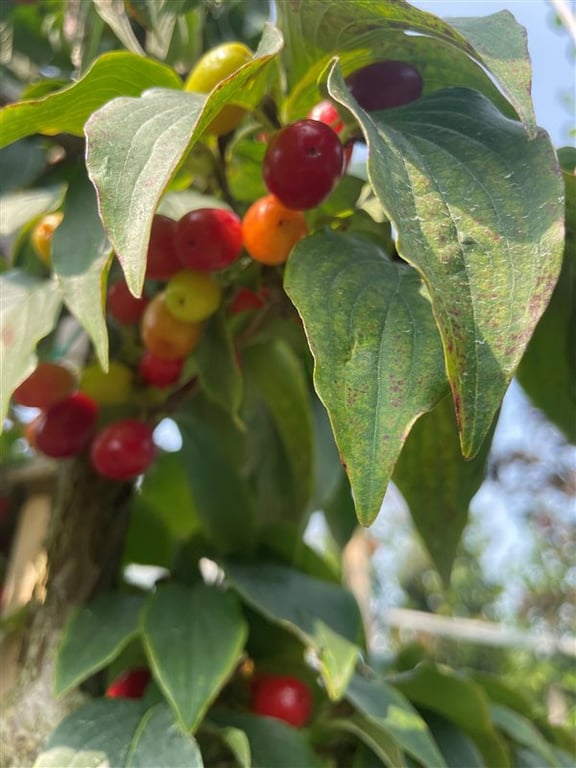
(566, 16)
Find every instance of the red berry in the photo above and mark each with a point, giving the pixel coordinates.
(159, 372)
(385, 84)
(125, 308)
(66, 427)
(302, 164)
(325, 112)
(162, 260)
(246, 300)
(283, 697)
(48, 384)
(208, 239)
(123, 449)
(129, 685)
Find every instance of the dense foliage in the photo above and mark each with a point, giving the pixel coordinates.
(253, 270)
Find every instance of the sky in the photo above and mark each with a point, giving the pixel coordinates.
(551, 52)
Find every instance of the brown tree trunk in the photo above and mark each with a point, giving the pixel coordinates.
(84, 546)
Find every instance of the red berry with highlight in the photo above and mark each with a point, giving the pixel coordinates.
(130, 684)
(283, 697)
(123, 450)
(66, 428)
(302, 164)
(208, 239)
(325, 112)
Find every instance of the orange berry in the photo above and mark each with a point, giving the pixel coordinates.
(164, 335)
(270, 230)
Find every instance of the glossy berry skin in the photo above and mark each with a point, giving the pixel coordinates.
(111, 387)
(49, 383)
(270, 230)
(325, 112)
(162, 260)
(217, 64)
(385, 84)
(123, 450)
(164, 335)
(193, 296)
(302, 164)
(159, 373)
(283, 697)
(208, 239)
(122, 306)
(66, 428)
(130, 684)
(41, 236)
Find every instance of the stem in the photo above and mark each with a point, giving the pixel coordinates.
(84, 546)
(566, 16)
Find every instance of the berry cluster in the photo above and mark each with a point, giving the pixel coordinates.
(184, 284)
(302, 165)
(68, 424)
(283, 697)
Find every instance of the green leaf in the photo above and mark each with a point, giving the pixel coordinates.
(377, 352)
(456, 178)
(94, 636)
(501, 44)
(323, 615)
(22, 163)
(521, 730)
(282, 543)
(97, 735)
(148, 542)
(28, 312)
(221, 496)
(378, 740)
(502, 692)
(136, 145)
(438, 483)
(113, 12)
(459, 700)
(218, 369)
(159, 742)
(273, 744)
(360, 33)
(332, 492)
(237, 742)
(337, 657)
(457, 749)
(276, 373)
(388, 710)
(20, 208)
(547, 371)
(117, 73)
(80, 256)
(165, 490)
(194, 639)
(121, 734)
